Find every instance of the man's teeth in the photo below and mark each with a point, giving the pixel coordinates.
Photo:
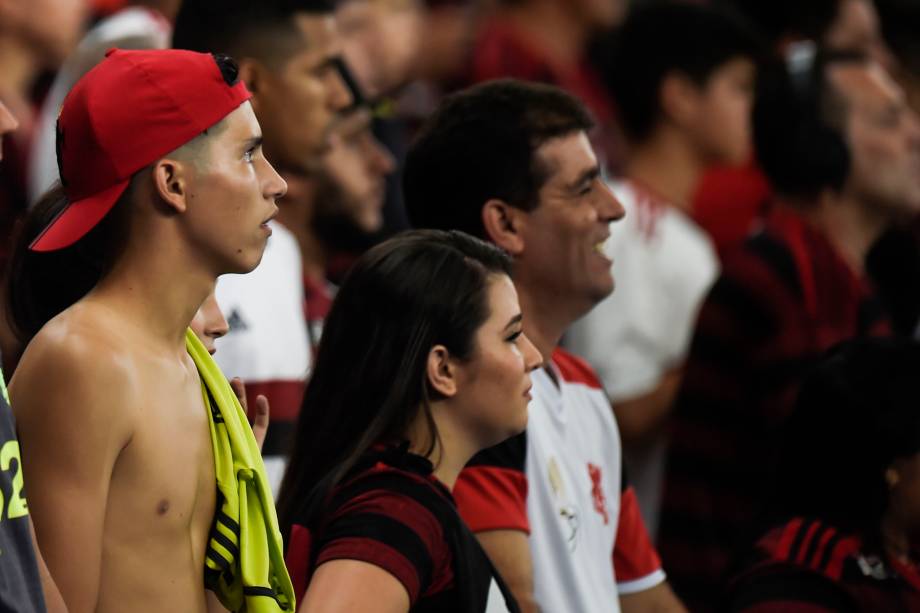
(599, 247)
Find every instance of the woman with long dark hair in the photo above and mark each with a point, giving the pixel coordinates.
(422, 364)
(842, 520)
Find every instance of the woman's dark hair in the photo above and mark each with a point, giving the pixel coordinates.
(39, 285)
(417, 290)
(857, 413)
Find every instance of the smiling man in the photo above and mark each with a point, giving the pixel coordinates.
(166, 187)
(511, 162)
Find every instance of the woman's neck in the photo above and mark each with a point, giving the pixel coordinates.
(450, 451)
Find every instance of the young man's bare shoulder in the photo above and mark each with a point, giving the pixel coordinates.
(77, 359)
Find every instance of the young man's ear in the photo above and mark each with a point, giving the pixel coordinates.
(170, 181)
(503, 223)
(442, 375)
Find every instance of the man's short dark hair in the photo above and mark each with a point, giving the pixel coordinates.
(264, 30)
(661, 39)
(798, 120)
(479, 145)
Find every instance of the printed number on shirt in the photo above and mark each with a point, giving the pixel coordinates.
(16, 506)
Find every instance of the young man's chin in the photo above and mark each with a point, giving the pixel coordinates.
(243, 264)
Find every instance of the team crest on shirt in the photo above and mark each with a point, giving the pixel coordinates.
(567, 512)
(597, 492)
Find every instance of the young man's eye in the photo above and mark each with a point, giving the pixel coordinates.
(249, 155)
(514, 337)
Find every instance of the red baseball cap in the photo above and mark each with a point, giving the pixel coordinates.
(129, 111)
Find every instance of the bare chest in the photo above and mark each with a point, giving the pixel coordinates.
(164, 477)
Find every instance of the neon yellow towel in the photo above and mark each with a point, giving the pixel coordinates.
(244, 564)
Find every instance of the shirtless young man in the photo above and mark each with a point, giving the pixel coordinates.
(114, 431)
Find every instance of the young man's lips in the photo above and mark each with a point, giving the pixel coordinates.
(270, 217)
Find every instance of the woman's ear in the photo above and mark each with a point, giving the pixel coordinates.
(171, 183)
(442, 372)
(502, 223)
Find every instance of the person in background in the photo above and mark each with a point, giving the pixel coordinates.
(731, 201)
(682, 77)
(413, 377)
(288, 55)
(835, 136)
(35, 37)
(511, 161)
(380, 42)
(337, 210)
(893, 262)
(382, 47)
(840, 524)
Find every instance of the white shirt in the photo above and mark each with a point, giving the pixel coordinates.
(664, 264)
(573, 502)
(267, 346)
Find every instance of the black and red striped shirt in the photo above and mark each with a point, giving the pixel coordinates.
(807, 565)
(782, 299)
(393, 513)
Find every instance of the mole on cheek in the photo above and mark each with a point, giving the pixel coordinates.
(163, 507)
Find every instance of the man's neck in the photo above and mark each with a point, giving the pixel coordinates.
(667, 164)
(544, 322)
(850, 225)
(296, 212)
(557, 29)
(312, 249)
(145, 289)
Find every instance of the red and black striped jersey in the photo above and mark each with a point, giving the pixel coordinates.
(782, 299)
(807, 565)
(394, 514)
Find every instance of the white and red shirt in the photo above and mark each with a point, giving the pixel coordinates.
(562, 482)
(268, 346)
(664, 265)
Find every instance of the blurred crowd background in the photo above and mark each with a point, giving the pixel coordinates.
(401, 57)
